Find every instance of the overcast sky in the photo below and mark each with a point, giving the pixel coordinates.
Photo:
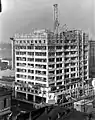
(23, 15)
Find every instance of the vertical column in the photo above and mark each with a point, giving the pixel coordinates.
(15, 93)
(33, 98)
(13, 53)
(47, 85)
(34, 62)
(26, 96)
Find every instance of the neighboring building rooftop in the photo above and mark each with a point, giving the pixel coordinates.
(52, 112)
(7, 73)
(81, 102)
(4, 91)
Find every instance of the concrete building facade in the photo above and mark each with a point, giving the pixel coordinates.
(92, 59)
(49, 65)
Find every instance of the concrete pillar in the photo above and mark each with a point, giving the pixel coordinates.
(33, 98)
(30, 117)
(26, 96)
(13, 53)
(15, 94)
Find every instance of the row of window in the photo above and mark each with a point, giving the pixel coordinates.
(70, 59)
(24, 64)
(57, 59)
(31, 78)
(31, 71)
(53, 84)
(39, 53)
(40, 79)
(68, 75)
(21, 64)
(32, 83)
(31, 59)
(71, 64)
(38, 47)
(57, 78)
(71, 69)
(31, 41)
(57, 71)
(70, 53)
(40, 66)
(44, 72)
(40, 72)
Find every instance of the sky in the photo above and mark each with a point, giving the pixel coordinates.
(21, 16)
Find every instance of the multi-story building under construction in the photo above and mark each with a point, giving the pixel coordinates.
(48, 65)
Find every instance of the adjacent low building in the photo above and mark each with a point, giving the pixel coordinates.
(5, 102)
(83, 105)
(5, 63)
(7, 73)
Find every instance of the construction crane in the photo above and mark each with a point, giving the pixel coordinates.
(56, 20)
(57, 26)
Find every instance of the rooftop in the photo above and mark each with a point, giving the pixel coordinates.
(52, 113)
(8, 72)
(33, 33)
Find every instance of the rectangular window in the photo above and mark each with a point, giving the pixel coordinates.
(35, 41)
(58, 65)
(58, 59)
(31, 53)
(66, 70)
(66, 76)
(40, 53)
(30, 71)
(28, 41)
(30, 65)
(40, 60)
(59, 83)
(59, 53)
(58, 71)
(30, 59)
(73, 75)
(31, 77)
(51, 48)
(59, 47)
(21, 70)
(58, 77)
(5, 102)
(67, 65)
(40, 66)
(40, 47)
(30, 47)
(72, 69)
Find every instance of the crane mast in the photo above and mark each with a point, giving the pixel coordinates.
(56, 21)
